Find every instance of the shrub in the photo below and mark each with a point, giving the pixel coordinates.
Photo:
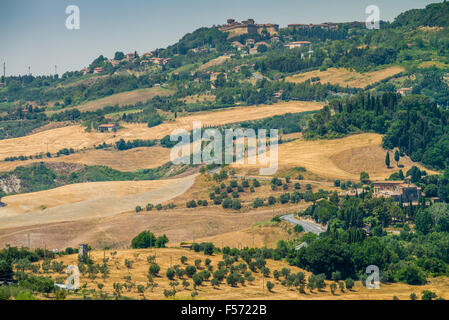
(154, 270)
(37, 284)
(145, 239)
(258, 202)
(190, 271)
(215, 283)
(208, 248)
(349, 283)
(298, 228)
(191, 204)
(428, 295)
(170, 273)
(270, 286)
(233, 279)
(227, 203)
(236, 204)
(412, 275)
(197, 279)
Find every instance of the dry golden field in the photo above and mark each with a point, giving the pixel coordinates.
(262, 234)
(341, 158)
(346, 78)
(107, 215)
(88, 200)
(127, 160)
(137, 275)
(77, 138)
(123, 98)
(213, 62)
(179, 224)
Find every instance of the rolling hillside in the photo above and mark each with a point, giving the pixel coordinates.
(343, 158)
(77, 138)
(255, 289)
(346, 78)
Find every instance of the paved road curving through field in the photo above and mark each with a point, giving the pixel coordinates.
(307, 225)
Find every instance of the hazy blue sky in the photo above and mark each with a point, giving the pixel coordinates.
(33, 32)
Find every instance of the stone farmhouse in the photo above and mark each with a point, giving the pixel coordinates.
(398, 190)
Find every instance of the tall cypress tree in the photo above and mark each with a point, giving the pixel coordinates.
(387, 160)
(397, 157)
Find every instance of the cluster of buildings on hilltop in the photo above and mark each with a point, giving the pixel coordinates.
(250, 45)
(146, 58)
(399, 191)
(248, 27)
(324, 26)
(234, 28)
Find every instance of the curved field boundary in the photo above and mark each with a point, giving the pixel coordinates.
(88, 200)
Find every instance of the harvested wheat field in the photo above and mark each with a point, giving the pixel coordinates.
(77, 138)
(123, 98)
(262, 234)
(198, 98)
(136, 275)
(87, 200)
(117, 231)
(214, 62)
(346, 78)
(127, 160)
(239, 114)
(341, 158)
